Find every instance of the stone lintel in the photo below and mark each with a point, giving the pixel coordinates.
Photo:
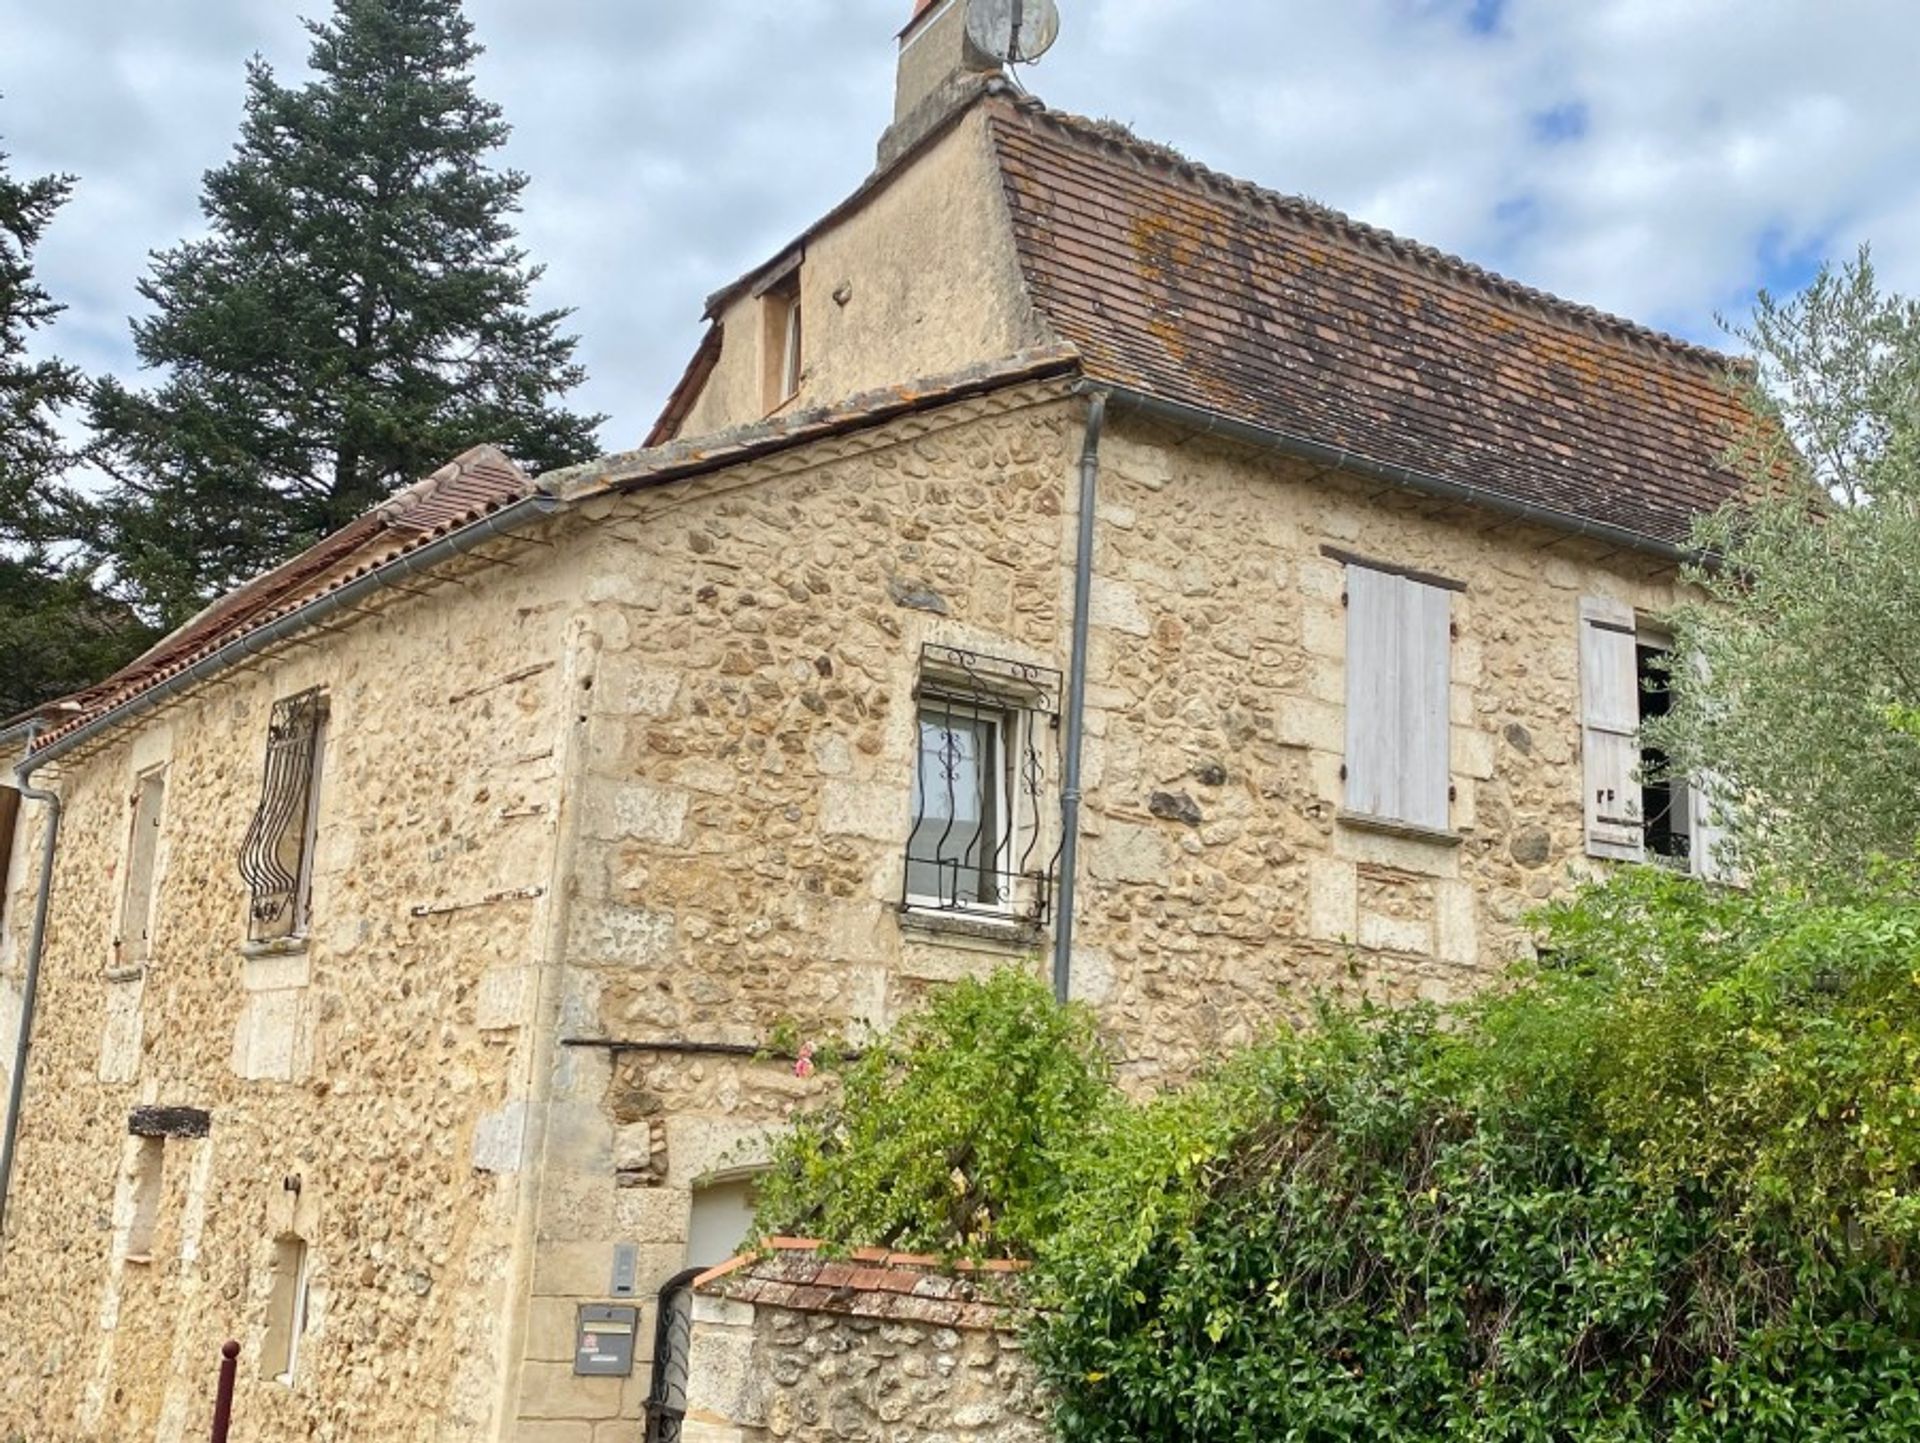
(183, 1122)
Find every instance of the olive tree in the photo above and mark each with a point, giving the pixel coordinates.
(1799, 666)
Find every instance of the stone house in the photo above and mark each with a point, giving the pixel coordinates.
(1059, 554)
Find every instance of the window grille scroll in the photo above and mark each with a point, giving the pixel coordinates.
(979, 839)
(273, 854)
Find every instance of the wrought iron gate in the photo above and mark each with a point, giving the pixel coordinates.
(672, 1337)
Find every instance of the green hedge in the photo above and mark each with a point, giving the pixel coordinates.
(1660, 1189)
(1665, 1185)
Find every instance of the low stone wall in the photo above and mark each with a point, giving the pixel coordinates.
(880, 1346)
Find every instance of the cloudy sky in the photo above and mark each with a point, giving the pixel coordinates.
(1660, 158)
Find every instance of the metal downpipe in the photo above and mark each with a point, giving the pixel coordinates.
(30, 986)
(1077, 697)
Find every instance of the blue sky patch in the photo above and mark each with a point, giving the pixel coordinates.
(1484, 16)
(1516, 214)
(1565, 122)
(1783, 267)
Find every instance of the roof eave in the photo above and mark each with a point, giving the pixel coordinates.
(1341, 458)
(307, 613)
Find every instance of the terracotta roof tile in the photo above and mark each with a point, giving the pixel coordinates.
(798, 1275)
(477, 482)
(1279, 312)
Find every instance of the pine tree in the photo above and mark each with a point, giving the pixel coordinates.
(357, 315)
(56, 631)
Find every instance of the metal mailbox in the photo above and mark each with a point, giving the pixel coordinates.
(603, 1341)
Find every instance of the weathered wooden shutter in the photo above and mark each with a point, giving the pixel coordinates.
(273, 856)
(1399, 653)
(1610, 729)
(9, 818)
(143, 850)
(1707, 806)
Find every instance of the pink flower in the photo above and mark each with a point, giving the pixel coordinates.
(803, 1064)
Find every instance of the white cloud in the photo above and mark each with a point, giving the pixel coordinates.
(670, 148)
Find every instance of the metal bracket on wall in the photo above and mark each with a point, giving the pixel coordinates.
(441, 909)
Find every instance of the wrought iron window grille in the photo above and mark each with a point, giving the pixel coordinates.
(274, 859)
(981, 771)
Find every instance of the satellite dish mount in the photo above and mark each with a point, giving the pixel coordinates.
(1011, 32)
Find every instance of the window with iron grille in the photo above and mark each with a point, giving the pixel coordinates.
(983, 747)
(276, 858)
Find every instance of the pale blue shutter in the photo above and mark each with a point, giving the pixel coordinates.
(1610, 730)
(1399, 647)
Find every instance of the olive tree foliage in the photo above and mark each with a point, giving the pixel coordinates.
(1800, 665)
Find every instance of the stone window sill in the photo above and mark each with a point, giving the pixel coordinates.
(126, 972)
(986, 933)
(1367, 822)
(275, 946)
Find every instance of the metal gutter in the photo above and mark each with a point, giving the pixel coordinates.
(456, 543)
(1339, 458)
(1077, 695)
(30, 985)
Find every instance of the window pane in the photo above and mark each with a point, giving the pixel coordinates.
(1663, 799)
(954, 852)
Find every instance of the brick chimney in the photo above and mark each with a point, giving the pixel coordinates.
(936, 62)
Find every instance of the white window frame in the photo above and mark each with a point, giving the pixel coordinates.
(790, 361)
(310, 831)
(287, 1311)
(782, 335)
(1691, 804)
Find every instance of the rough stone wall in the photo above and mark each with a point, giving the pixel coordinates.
(353, 1082)
(919, 280)
(744, 806)
(1222, 884)
(691, 728)
(761, 1373)
(746, 792)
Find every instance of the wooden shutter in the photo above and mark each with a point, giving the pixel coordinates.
(9, 816)
(143, 850)
(1610, 729)
(1399, 655)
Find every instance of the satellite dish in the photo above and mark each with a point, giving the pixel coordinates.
(1012, 32)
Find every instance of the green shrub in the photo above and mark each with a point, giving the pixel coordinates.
(1660, 1189)
(948, 1137)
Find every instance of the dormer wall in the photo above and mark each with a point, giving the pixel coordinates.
(917, 277)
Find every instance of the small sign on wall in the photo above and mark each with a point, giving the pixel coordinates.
(603, 1341)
